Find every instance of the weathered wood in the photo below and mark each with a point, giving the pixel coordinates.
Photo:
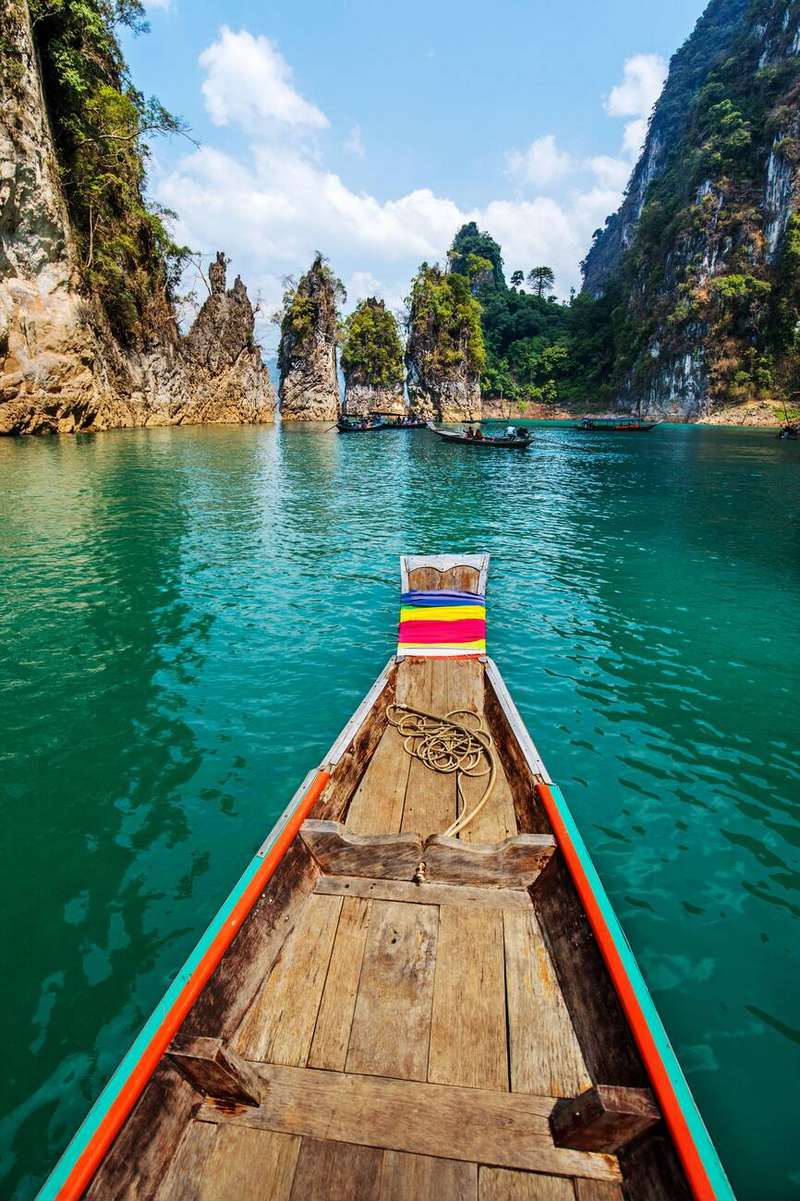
(597, 1018)
(530, 816)
(391, 1022)
(377, 805)
(651, 1169)
(141, 1152)
(248, 1165)
(545, 1054)
(597, 1190)
(430, 805)
(337, 794)
(471, 1124)
(334, 1171)
(515, 863)
(604, 1118)
(215, 1070)
(229, 993)
(425, 894)
(185, 1175)
(280, 1024)
(442, 564)
(501, 1184)
(407, 1177)
(468, 1027)
(332, 1032)
(342, 853)
(460, 578)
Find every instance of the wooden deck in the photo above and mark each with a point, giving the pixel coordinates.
(408, 1040)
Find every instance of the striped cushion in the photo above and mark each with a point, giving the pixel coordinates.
(442, 624)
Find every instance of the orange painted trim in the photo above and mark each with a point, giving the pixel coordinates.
(82, 1173)
(702, 1189)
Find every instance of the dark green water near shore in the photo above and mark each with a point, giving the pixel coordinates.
(189, 616)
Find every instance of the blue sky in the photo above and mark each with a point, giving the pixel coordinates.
(371, 130)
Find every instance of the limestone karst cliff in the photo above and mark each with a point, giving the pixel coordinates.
(88, 333)
(309, 384)
(372, 361)
(445, 350)
(698, 270)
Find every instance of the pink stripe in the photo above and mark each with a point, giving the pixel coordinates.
(470, 629)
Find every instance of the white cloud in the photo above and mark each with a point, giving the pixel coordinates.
(248, 82)
(541, 164)
(354, 143)
(610, 172)
(642, 80)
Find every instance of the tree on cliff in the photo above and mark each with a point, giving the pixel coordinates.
(128, 260)
(372, 352)
(541, 280)
(309, 313)
(469, 245)
(445, 347)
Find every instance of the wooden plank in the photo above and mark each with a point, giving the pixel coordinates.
(141, 1153)
(496, 821)
(184, 1178)
(529, 812)
(471, 1124)
(377, 805)
(407, 1177)
(515, 863)
(339, 852)
(545, 1053)
(500, 1184)
(391, 1023)
(249, 1165)
(332, 1171)
(230, 992)
(597, 1190)
(280, 1024)
(468, 1027)
(459, 578)
(214, 1069)
(604, 1118)
(332, 1033)
(430, 805)
(424, 894)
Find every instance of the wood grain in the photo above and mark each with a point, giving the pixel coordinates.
(468, 1027)
(604, 1118)
(332, 1032)
(545, 1053)
(335, 799)
(500, 1184)
(280, 1025)
(407, 1177)
(334, 1171)
(339, 852)
(430, 805)
(460, 578)
(249, 1165)
(597, 1190)
(471, 1124)
(184, 1178)
(515, 863)
(214, 1069)
(424, 894)
(377, 804)
(391, 1023)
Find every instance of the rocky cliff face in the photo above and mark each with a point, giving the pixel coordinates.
(309, 387)
(452, 398)
(360, 399)
(699, 262)
(61, 368)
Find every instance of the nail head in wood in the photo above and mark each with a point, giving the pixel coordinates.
(604, 1118)
(215, 1070)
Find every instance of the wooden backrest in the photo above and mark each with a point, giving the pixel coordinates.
(432, 573)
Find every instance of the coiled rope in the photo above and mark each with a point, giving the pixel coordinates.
(447, 745)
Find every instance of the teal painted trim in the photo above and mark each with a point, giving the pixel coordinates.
(702, 1139)
(88, 1127)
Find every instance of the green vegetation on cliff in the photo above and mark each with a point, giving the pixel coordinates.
(310, 311)
(128, 261)
(372, 352)
(444, 324)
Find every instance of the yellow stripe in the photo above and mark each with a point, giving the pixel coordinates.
(444, 613)
(480, 645)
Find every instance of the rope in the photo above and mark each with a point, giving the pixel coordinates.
(447, 746)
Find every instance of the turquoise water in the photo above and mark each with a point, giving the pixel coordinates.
(189, 616)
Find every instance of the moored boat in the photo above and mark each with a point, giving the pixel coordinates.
(418, 988)
(615, 425)
(519, 440)
(360, 425)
